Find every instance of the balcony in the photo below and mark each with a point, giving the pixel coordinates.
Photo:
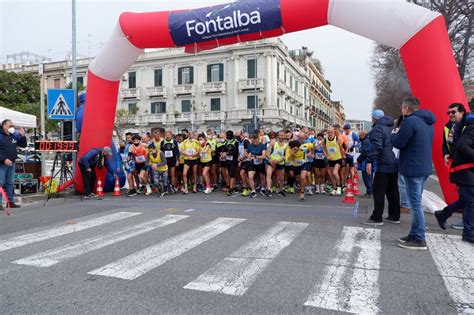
(130, 93)
(157, 91)
(215, 87)
(212, 116)
(185, 89)
(282, 88)
(251, 84)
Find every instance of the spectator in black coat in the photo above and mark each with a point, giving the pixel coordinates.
(10, 139)
(361, 162)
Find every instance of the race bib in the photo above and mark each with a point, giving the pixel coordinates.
(257, 162)
(190, 151)
(203, 155)
(140, 159)
(332, 150)
(168, 154)
(279, 153)
(319, 156)
(299, 162)
(229, 158)
(241, 151)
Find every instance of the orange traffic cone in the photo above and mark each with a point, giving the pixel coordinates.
(100, 190)
(349, 197)
(355, 185)
(117, 191)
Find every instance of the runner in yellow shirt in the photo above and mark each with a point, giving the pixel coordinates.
(205, 155)
(276, 151)
(190, 149)
(336, 155)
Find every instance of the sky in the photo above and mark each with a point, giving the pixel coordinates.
(44, 27)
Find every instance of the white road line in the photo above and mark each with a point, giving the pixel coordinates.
(189, 210)
(235, 274)
(55, 256)
(455, 262)
(139, 263)
(26, 239)
(434, 177)
(350, 283)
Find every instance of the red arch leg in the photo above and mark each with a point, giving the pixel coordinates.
(434, 79)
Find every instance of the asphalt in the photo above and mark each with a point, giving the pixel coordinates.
(409, 281)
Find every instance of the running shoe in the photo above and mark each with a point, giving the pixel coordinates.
(317, 189)
(208, 190)
(253, 194)
(185, 191)
(339, 191)
(281, 193)
(132, 193)
(246, 192)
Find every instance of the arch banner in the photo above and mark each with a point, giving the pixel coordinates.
(418, 33)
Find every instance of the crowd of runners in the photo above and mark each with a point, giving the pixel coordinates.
(299, 161)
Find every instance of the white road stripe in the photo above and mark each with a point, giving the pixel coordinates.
(235, 274)
(350, 283)
(139, 263)
(455, 261)
(55, 256)
(26, 239)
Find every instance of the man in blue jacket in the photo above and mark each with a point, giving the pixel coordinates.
(386, 178)
(87, 164)
(10, 139)
(415, 140)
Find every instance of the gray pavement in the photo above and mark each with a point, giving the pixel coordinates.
(402, 281)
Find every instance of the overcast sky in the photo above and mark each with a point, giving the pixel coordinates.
(44, 27)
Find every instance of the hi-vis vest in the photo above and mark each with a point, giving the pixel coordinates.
(157, 159)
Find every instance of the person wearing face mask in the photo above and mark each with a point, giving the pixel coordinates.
(10, 139)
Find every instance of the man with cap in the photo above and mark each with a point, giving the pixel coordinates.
(87, 164)
(386, 176)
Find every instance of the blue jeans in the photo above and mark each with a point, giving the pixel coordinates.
(368, 180)
(7, 173)
(414, 189)
(466, 196)
(402, 187)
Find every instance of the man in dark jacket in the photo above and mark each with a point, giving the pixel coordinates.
(415, 140)
(462, 174)
(386, 177)
(10, 139)
(361, 163)
(87, 164)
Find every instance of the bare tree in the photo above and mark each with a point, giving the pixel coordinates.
(391, 82)
(122, 119)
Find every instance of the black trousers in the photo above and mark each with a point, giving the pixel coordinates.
(88, 179)
(386, 184)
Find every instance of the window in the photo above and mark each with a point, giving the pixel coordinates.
(252, 69)
(57, 83)
(80, 80)
(251, 101)
(132, 80)
(132, 108)
(158, 107)
(186, 106)
(215, 73)
(158, 77)
(215, 104)
(185, 75)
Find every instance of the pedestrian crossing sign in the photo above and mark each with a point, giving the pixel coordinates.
(61, 104)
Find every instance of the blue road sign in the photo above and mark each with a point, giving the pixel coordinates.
(61, 104)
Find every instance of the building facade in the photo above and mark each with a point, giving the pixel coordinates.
(360, 125)
(230, 87)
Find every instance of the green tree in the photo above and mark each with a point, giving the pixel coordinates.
(21, 92)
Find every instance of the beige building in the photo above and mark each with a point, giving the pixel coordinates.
(222, 88)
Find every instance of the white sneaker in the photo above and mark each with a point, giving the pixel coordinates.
(333, 192)
(208, 190)
(317, 189)
(339, 191)
(148, 191)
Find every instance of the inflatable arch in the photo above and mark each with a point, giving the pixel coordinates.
(418, 33)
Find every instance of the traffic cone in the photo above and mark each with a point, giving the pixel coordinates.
(100, 190)
(349, 197)
(117, 191)
(355, 185)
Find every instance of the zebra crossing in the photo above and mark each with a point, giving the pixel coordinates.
(350, 280)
